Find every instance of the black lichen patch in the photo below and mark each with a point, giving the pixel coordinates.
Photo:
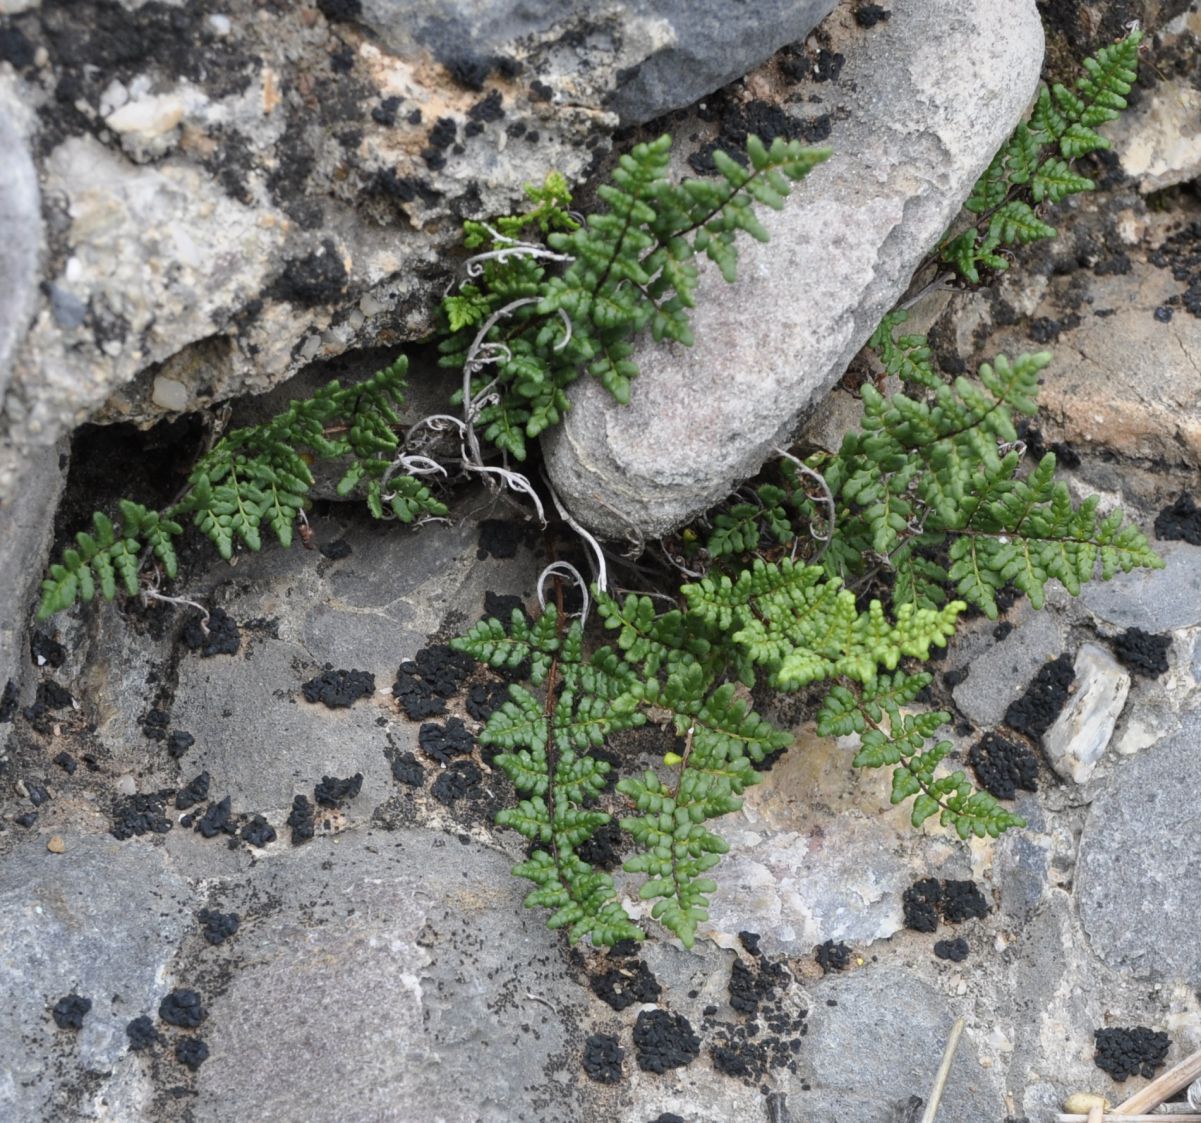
(216, 819)
(750, 942)
(191, 1052)
(336, 550)
(490, 108)
(602, 1058)
(603, 849)
(9, 700)
(15, 47)
(257, 832)
(498, 538)
(406, 769)
(26, 820)
(765, 120)
(318, 278)
(51, 696)
(142, 1034)
(868, 15)
(219, 636)
(955, 950)
(385, 113)
(442, 742)
(434, 673)
(301, 820)
(485, 698)
(339, 689)
(340, 11)
(155, 723)
(663, 1041)
(140, 814)
(832, 957)
(182, 1008)
(66, 762)
(1136, 1051)
(955, 677)
(45, 651)
(769, 1037)
(1181, 522)
(1036, 710)
(921, 903)
(218, 926)
(196, 791)
(962, 900)
(1003, 766)
(623, 986)
(69, 1011)
(1142, 653)
(668, 1117)
(331, 791)
(178, 743)
(1181, 253)
(461, 779)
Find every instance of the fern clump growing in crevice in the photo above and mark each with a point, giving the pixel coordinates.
(1036, 165)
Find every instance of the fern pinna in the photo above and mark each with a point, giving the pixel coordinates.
(535, 315)
(1036, 164)
(250, 476)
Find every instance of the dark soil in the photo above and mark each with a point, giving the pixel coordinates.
(602, 1058)
(1003, 766)
(69, 1011)
(1181, 522)
(331, 791)
(603, 849)
(954, 950)
(1137, 1051)
(442, 742)
(338, 689)
(832, 957)
(498, 538)
(221, 637)
(1142, 653)
(1036, 710)
(623, 986)
(218, 926)
(182, 1008)
(663, 1041)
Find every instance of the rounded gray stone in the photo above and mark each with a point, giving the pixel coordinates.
(923, 102)
(1138, 881)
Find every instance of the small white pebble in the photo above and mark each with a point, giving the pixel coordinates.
(168, 393)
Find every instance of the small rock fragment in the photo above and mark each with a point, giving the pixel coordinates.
(56, 844)
(1082, 731)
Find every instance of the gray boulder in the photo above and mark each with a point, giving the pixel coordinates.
(923, 102)
(20, 233)
(233, 195)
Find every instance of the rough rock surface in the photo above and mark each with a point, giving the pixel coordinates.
(230, 195)
(1138, 862)
(1156, 601)
(101, 920)
(20, 233)
(916, 118)
(419, 943)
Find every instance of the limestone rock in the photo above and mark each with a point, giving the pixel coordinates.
(1156, 600)
(923, 102)
(1136, 882)
(1075, 743)
(233, 195)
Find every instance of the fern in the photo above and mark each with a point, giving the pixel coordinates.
(888, 736)
(572, 304)
(1035, 165)
(254, 475)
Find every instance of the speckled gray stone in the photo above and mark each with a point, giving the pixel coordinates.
(102, 920)
(1139, 874)
(921, 106)
(1156, 600)
(20, 234)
